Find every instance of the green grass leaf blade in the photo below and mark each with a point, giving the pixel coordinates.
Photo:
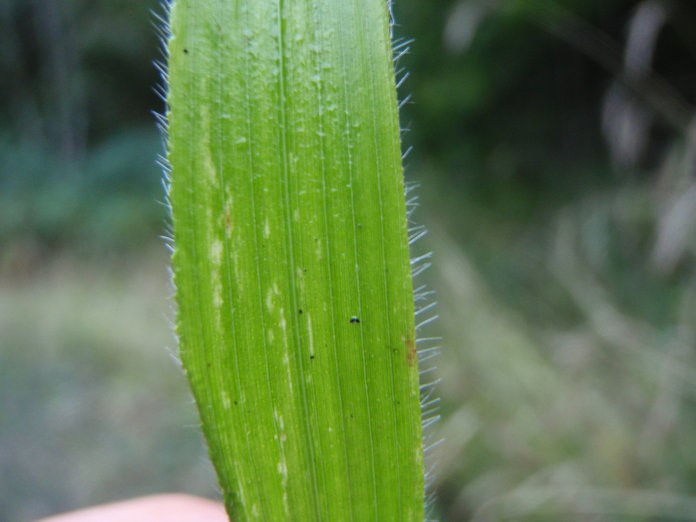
(291, 263)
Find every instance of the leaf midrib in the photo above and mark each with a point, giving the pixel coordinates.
(290, 242)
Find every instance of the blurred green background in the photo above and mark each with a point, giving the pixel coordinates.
(555, 146)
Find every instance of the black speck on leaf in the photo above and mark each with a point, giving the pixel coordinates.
(299, 311)
(185, 51)
(355, 320)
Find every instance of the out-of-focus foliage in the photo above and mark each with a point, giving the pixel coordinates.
(93, 408)
(508, 94)
(555, 144)
(568, 290)
(74, 71)
(106, 200)
(77, 140)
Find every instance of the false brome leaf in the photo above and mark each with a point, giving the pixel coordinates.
(291, 256)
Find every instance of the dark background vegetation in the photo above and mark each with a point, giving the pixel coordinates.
(554, 142)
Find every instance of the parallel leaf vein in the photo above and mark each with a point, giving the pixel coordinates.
(290, 241)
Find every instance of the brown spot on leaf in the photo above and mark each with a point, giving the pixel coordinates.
(228, 221)
(411, 354)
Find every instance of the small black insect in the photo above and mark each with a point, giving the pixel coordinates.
(355, 319)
